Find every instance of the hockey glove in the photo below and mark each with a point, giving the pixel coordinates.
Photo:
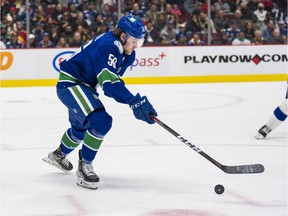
(142, 108)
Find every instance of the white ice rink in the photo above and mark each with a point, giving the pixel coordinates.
(144, 170)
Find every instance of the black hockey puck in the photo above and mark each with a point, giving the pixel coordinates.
(219, 189)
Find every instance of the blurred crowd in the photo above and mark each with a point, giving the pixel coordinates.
(71, 23)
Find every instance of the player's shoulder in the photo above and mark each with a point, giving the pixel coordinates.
(110, 42)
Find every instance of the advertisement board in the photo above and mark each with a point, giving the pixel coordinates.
(158, 64)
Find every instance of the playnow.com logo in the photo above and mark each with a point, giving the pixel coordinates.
(148, 62)
(256, 59)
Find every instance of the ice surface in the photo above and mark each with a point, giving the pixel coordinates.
(144, 170)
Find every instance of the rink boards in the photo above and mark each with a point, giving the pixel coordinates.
(157, 65)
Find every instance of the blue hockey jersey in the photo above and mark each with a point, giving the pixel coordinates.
(102, 61)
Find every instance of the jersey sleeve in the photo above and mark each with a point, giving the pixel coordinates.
(108, 78)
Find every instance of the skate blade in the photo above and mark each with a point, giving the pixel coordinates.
(259, 136)
(89, 185)
(49, 161)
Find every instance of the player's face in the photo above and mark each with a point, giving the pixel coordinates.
(131, 44)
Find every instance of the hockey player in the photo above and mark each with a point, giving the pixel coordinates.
(279, 115)
(100, 62)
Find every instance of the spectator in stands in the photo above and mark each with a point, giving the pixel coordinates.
(62, 43)
(22, 13)
(221, 22)
(258, 38)
(97, 23)
(163, 42)
(203, 21)
(252, 5)
(191, 6)
(161, 7)
(65, 21)
(239, 20)
(2, 45)
(241, 40)
(13, 43)
(38, 32)
(233, 4)
(222, 5)
(32, 41)
(12, 15)
(90, 13)
(192, 26)
(102, 28)
(169, 32)
(79, 21)
(10, 24)
(249, 30)
(152, 13)
(136, 11)
(174, 19)
(268, 4)
(268, 30)
(85, 33)
(49, 24)
(256, 23)
(176, 10)
(276, 38)
(68, 33)
(196, 40)
(5, 6)
(168, 10)
(58, 13)
(21, 32)
(232, 31)
(77, 40)
(181, 39)
(282, 28)
(105, 11)
(40, 15)
(73, 11)
(247, 14)
(160, 22)
(279, 13)
(64, 3)
(222, 39)
(109, 22)
(46, 42)
(152, 35)
(261, 13)
(49, 3)
(5, 37)
(55, 34)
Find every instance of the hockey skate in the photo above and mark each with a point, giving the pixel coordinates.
(57, 159)
(87, 178)
(263, 132)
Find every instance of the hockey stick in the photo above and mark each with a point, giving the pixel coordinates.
(240, 169)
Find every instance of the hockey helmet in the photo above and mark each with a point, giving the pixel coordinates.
(132, 26)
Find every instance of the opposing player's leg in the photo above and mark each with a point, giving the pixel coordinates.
(278, 117)
(100, 123)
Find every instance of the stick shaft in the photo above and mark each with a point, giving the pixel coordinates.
(240, 169)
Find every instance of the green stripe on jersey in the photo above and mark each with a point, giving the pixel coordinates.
(63, 76)
(107, 76)
(91, 141)
(82, 100)
(68, 142)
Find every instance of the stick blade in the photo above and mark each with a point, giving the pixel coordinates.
(244, 169)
